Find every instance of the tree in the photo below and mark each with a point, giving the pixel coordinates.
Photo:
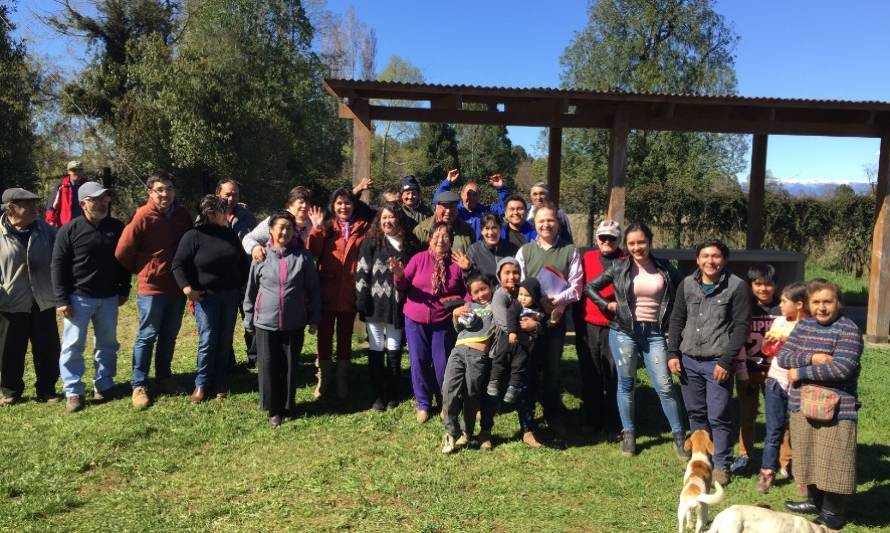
(18, 83)
(389, 156)
(438, 153)
(486, 150)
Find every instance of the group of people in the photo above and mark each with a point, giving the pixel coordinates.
(481, 294)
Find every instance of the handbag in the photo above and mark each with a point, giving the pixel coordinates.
(818, 403)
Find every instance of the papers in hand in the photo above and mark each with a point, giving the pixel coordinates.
(552, 281)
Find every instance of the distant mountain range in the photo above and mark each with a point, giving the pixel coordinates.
(818, 189)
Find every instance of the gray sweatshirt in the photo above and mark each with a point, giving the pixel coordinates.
(283, 292)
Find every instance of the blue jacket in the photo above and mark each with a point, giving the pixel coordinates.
(474, 217)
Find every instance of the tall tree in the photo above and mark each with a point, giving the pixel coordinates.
(486, 150)
(18, 82)
(389, 156)
(437, 153)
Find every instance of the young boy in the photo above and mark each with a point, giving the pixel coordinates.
(468, 367)
(511, 345)
(751, 365)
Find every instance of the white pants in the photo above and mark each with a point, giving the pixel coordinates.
(383, 336)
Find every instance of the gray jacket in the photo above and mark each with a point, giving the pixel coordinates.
(712, 326)
(26, 274)
(283, 292)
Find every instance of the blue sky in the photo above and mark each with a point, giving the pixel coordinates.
(787, 48)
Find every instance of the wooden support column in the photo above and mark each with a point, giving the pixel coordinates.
(361, 143)
(877, 325)
(554, 163)
(617, 168)
(756, 191)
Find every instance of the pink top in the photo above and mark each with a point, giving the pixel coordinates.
(648, 288)
(421, 305)
(782, 327)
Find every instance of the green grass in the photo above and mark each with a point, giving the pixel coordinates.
(853, 289)
(219, 467)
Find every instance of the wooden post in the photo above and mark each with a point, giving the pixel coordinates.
(756, 190)
(554, 163)
(617, 167)
(877, 325)
(361, 143)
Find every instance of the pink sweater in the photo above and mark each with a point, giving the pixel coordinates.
(648, 288)
(421, 305)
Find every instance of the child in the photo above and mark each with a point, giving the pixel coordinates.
(751, 365)
(283, 295)
(511, 345)
(468, 367)
(794, 309)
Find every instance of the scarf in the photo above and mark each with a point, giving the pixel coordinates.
(344, 229)
(439, 272)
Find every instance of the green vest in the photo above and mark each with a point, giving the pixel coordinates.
(462, 234)
(559, 257)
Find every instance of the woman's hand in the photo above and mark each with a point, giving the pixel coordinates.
(675, 366)
(793, 377)
(258, 253)
(821, 359)
(363, 185)
(528, 324)
(461, 259)
(316, 216)
(192, 294)
(453, 174)
(396, 267)
(612, 307)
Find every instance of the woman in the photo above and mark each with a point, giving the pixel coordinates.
(299, 199)
(822, 356)
(281, 299)
(553, 252)
(638, 319)
(335, 244)
(379, 305)
(483, 255)
(433, 283)
(210, 267)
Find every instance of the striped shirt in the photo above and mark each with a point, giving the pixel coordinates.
(843, 341)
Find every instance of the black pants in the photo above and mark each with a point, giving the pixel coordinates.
(40, 328)
(249, 342)
(508, 365)
(599, 381)
(546, 357)
(278, 354)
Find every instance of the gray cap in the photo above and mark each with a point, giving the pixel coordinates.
(90, 189)
(446, 197)
(509, 260)
(74, 165)
(17, 193)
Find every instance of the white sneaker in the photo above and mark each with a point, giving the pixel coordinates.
(448, 444)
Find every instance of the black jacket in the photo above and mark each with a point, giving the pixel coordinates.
(484, 257)
(618, 274)
(83, 261)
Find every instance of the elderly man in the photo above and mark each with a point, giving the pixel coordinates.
(469, 209)
(89, 284)
(26, 298)
(409, 192)
(63, 205)
(146, 248)
(462, 234)
(540, 195)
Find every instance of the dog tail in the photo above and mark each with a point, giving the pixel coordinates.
(712, 499)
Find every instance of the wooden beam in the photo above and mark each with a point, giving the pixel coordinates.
(756, 190)
(617, 167)
(361, 143)
(882, 187)
(554, 163)
(877, 324)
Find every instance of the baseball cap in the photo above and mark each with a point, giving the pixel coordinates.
(75, 165)
(609, 227)
(90, 189)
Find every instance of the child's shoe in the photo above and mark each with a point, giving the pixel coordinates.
(463, 440)
(530, 440)
(448, 445)
(765, 480)
(511, 395)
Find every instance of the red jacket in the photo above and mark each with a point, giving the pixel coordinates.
(63, 205)
(148, 244)
(336, 263)
(593, 267)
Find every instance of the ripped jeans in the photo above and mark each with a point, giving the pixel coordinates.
(650, 342)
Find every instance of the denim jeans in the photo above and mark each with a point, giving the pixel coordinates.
(103, 314)
(160, 317)
(775, 401)
(708, 404)
(649, 342)
(215, 315)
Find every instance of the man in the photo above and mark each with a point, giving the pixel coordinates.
(27, 305)
(64, 205)
(708, 327)
(146, 248)
(517, 229)
(89, 285)
(540, 195)
(462, 235)
(469, 209)
(410, 196)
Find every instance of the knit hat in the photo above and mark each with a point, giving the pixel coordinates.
(408, 183)
(505, 261)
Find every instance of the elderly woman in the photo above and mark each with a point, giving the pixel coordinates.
(433, 284)
(210, 268)
(822, 356)
(482, 256)
(638, 314)
(379, 305)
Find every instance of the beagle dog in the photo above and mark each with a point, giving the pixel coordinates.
(695, 497)
(752, 519)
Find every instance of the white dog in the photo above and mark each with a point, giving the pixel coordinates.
(694, 497)
(752, 519)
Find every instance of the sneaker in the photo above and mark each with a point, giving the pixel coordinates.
(9, 400)
(485, 441)
(740, 464)
(140, 398)
(422, 415)
(629, 444)
(765, 480)
(73, 404)
(680, 446)
(101, 396)
(511, 395)
(463, 440)
(722, 476)
(448, 445)
(530, 440)
(379, 406)
(274, 421)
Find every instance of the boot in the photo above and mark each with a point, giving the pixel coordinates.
(832, 514)
(377, 374)
(812, 505)
(343, 378)
(629, 444)
(393, 377)
(324, 374)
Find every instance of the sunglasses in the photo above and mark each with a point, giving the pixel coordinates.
(607, 238)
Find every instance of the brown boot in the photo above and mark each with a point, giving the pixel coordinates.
(325, 369)
(199, 395)
(343, 379)
(529, 439)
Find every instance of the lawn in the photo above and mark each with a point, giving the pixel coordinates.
(854, 290)
(219, 467)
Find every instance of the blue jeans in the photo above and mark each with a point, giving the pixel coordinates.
(648, 341)
(775, 401)
(215, 315)
(103, 314)
(708, 404)
(160, 317)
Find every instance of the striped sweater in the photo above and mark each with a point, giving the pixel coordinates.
(843, 341)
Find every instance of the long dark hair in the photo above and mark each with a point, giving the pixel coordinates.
(409, 241)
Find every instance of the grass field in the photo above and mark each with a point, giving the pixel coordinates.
(219, 467)
(854, 290)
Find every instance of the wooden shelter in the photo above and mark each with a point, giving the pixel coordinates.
(620, 112)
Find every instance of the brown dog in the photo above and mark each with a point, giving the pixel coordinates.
(695, 497)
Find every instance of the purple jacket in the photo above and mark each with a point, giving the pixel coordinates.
(421, 305)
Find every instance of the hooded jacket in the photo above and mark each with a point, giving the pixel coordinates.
(283, 293)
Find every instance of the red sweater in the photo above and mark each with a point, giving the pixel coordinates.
(593, 267)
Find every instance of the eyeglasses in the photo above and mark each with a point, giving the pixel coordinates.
(607, 238)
